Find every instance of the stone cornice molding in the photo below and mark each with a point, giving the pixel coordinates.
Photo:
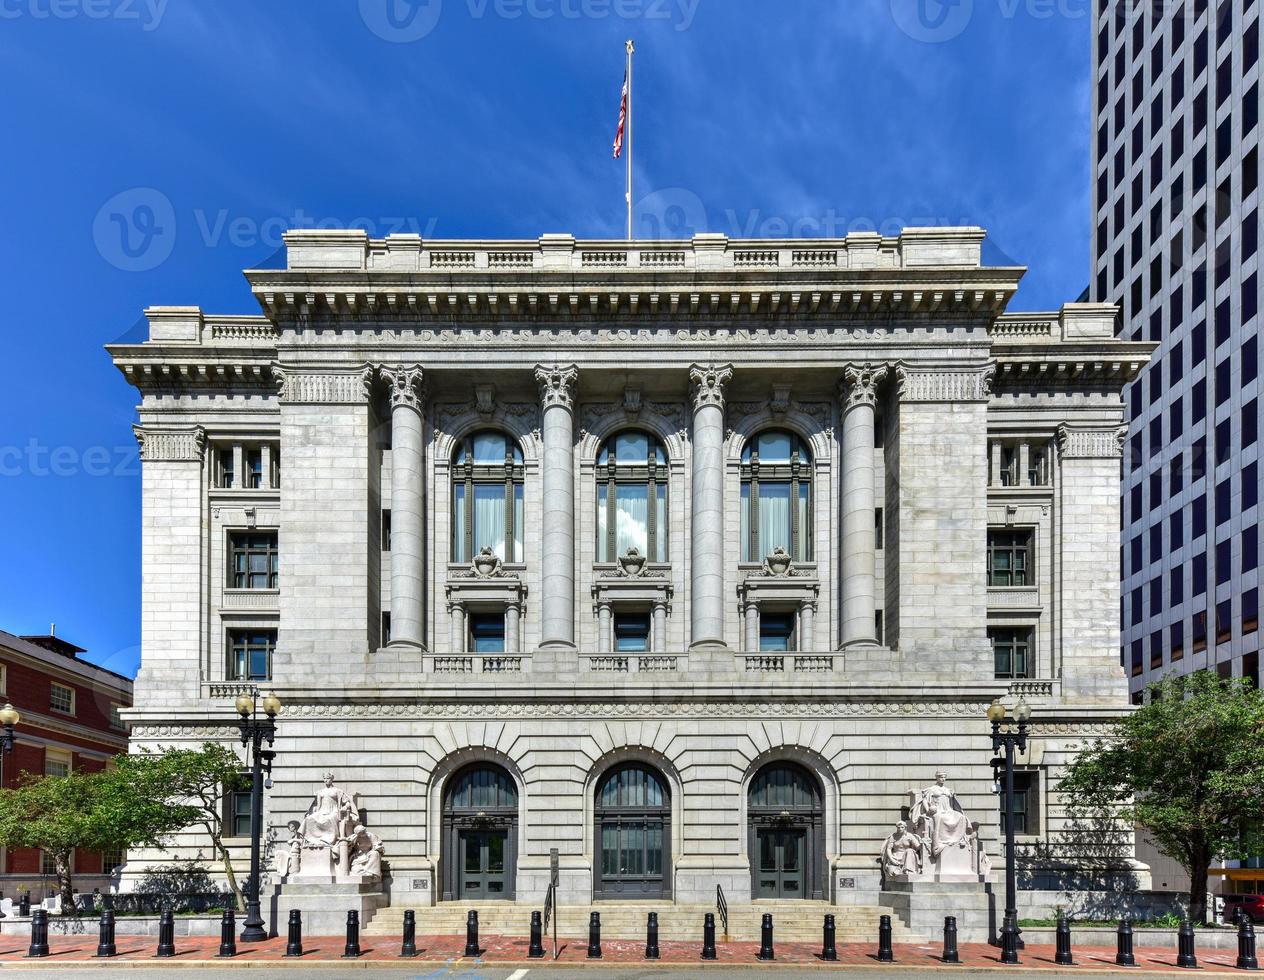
(304, 388)
(170, 445)
(708, 381)
(938, 384)
(859, 385)
(557, 385)
(406, 385)
(1091, 442)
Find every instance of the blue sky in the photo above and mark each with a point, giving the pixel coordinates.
(211, 126)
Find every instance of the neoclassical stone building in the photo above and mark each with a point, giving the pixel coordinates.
(684, 559)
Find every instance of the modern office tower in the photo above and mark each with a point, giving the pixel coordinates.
(1176, 232)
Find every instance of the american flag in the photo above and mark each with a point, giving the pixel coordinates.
(623, 119)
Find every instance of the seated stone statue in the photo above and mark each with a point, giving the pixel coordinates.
(902, 852)
(365, 853)
(289, 853)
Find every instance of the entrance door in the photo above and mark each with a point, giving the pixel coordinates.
(632, 858)
(632, 834)
(482, 864)
(780, 863)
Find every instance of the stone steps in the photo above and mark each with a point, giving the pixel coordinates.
(792, 922)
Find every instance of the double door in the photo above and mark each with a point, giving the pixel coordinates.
(780, 854)
(482, 855)
(631, 857)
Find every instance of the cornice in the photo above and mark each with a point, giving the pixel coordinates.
(940, 384)
(304, 388)
(1095, 442)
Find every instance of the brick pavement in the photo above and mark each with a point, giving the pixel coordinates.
(501, 949)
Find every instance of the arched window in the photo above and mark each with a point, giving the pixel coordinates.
(632, 497)
(487, 497)
(633, 833)
(786, 833)
(776, 496)
(482, 787)
(479, 834)
(783, 786)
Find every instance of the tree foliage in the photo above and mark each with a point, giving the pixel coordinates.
(1188, 767)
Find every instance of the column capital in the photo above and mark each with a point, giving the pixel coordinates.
(1091, 442)
(183, 444)
(708, 381)
(406, 384)
(306, 388)
(859, 385)
(943, 383)
(557, 384)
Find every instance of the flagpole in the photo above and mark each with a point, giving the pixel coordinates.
(631, 49)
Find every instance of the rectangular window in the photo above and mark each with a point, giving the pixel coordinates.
(1009, 557)
(238, 807)
(56, 762)
(1176, 635)
(1224, 621)
(1199, 631)
(1250, 548)
(487, 632)
(62, 698)
(250, 654)
(254, 560)
(1012, 650)
(111, 861)
(1176, 584)
(116, 718)
(776, 631)
(48, 864)
(386, 530)
(632, 632)
(1251, 613)
(386, 627)
(224, 475)
(253, 459)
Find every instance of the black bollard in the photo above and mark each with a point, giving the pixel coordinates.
(536, 951)
(1009, 940)
(708, 936)
(1063, 954)
(1246, 945)
(408, 948)
(105, 935)
(1123, 944)
(227, 935)
(885, 955)
(39, 934)
(24, 904)
(1185, 947)
(765, 937)
(594, 936)
(829, 940)
(352, 949)
(651, 936)
(166, 934)
(294, 934)
(471, 933)
(950, 940)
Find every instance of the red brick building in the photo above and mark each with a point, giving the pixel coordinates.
(69, 721)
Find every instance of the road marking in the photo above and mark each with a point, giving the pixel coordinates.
(516, 975)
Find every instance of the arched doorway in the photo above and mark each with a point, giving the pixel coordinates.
(632, 833)
(786, 833)
(480, 834)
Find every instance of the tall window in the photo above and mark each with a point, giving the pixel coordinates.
(62, 698)
(1012, 650)
(250, 654)
(632, 497)
(1009, 557)
(1026, 803)
(776, 497)
(237, 808)
(487, 497)
(253, 458)
(255, 564)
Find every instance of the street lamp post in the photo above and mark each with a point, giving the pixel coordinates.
(1010, 740)
(254, 730)
(9, 718)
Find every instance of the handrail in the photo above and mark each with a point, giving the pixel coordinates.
(550, 900)
(722, 907)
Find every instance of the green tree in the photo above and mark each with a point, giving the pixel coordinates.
(196, 781)
(1188, 767)
(99, 811)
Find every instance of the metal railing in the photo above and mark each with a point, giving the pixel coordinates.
(722, 907)
(550, 913)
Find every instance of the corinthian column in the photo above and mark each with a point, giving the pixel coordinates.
(706, 600)
(407, 497)
(557, 555)
(858, 393)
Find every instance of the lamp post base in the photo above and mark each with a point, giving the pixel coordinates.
(253, 931)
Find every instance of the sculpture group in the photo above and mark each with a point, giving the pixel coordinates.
(330, 842)
(937, 842)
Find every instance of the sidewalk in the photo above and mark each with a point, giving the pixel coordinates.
(139, 951)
